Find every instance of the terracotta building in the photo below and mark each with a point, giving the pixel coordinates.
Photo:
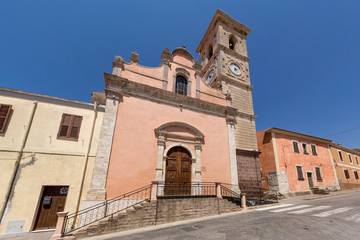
(182, 122)
(347, 165)
(295, 163)
(47, 152)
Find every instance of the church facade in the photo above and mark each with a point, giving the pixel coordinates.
(183, 122)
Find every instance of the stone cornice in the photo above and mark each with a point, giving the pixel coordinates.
(129, 88)
(233, 53)
(247, 151)
(345, 149)
(295, 134)
(236, 82)
(48, 99)
(220, 16)
(347, 165)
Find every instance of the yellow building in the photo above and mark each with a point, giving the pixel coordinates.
(47, 151)
(347, 166)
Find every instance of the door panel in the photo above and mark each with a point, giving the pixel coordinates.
(310, 180)
(52, 201)
(178, 172)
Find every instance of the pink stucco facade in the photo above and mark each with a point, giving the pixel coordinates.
(134, 150)
(134, 159)
(279, 157)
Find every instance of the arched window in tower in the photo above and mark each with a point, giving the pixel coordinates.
(210, 52)
(232, 41)
(181, 85)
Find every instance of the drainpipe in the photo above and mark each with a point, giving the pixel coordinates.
(17, 162)
(86, 159)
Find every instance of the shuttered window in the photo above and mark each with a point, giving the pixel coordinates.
(305, 148)
(300, 173)
(347, 175)
(296, 147)
(4, 116)
(318, 174)
(70, 126)
(356, 175)
(313, 150)
(350, 159)
(357, 160)
(340, 156)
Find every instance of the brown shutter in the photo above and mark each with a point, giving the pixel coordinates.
(347, 175)
(4, 116)
(313, 149)
(75, 128)
(70, 126)
(296, 147)
(318, 174)
(300, 173)
(356, 175)
(64, 125)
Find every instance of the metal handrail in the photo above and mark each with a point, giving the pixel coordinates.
(107, 208)
(186, 189)
(226, 192)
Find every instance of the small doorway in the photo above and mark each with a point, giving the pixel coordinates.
(52, 201)
(178, 172)
(310, 179)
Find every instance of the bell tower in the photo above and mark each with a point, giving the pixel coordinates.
(225, 66)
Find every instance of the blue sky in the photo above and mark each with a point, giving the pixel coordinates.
(305, 55)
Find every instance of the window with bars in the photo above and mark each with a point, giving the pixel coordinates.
(350, 159)
(300, 172)
(313, 150)
(181, 85)
(340, 156)
(305, 148)
(318, 174)
(4, 116)
(347, 175)
(296, 147)
(70, 126)
(356, 175)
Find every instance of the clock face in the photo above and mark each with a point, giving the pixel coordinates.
(235, 69)
(210, 77)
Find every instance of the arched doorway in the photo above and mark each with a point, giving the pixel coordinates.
(178, 172)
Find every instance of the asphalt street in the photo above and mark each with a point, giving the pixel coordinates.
(335, 217)
(313, 217)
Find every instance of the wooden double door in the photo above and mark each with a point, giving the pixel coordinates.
(52, 201)
(178, 172)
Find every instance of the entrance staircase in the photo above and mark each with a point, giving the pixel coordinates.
(138, 209)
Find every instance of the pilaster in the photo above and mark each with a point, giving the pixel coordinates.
(198, 162)
(97, 189)
(160, 159)
(232, 153)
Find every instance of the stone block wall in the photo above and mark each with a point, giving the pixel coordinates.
(158, 212)
(248, 170)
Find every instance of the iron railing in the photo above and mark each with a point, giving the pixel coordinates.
(228, 193)
(107, 208)
(186, 189)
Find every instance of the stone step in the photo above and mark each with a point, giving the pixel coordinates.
(164, 210)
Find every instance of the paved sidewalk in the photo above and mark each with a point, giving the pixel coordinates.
(314, 197)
